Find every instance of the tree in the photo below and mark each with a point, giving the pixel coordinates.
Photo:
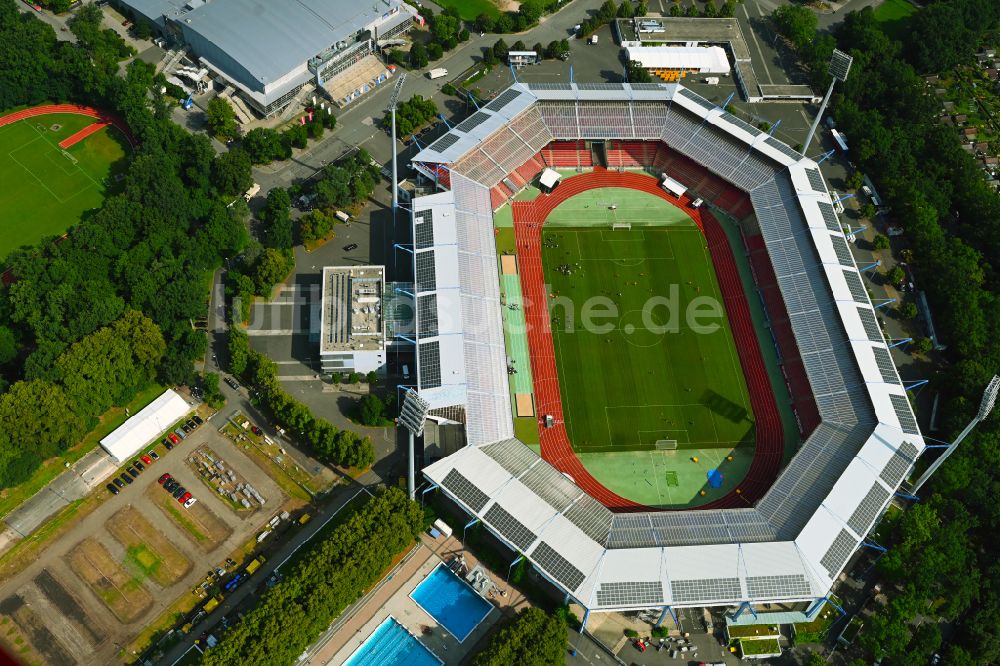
(500, 49)
(896, 275)
(277, 219)
(868, 210)
(488, 57)
(642, 8)
(485, 23)
(921, 346)
(880, 242)
(265, 145)
(434, 50)
(607, 11)
(728, 9)
(533, 637)
(213, 395)
(418, 56)
(637, 73)
(221, 118)
(272, 267)
(625, 10)
(231, 172)
(711, 11)
(796, 22)
(907, 310)
(8, 345)
(539, 50)
(371, 378)
(371, 410)
(692, 11)
(519, 46)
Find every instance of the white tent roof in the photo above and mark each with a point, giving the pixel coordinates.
(145, 426)
(549, 177)
(705, 59)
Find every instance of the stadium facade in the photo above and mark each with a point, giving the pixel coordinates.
(792, 544)
(268, 50)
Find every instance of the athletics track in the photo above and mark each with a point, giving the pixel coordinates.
(529, 216)
(48, 109)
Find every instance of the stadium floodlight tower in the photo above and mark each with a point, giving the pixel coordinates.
(393, 101)
(985, 407)
(412, 417)
(840, 65)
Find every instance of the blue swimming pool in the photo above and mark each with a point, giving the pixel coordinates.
(450, 601)
(392, 645)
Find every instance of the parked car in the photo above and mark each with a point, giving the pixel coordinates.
(233, 383)
(181, 434)
(191, 424)
(186, 428)
(174, 438)
(126, 478)
(179, 491)
(146, 460)
(255, 430)
(190, 502)
(152, 454)
(163, 478)
(132, 472)
(170, 485)
(118, 482)
(139, 466)
(112, 489)
(184, 498)
(197, 419)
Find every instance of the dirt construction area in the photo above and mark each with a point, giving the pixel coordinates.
(134, 561)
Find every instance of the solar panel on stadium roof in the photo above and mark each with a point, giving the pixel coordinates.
(550, 86)
(473, 121)
(868, 510)
(843, 252)
(503, 99)
(512, 455)
(883, 359)
(708, 589)
(630, 593)
(549, 484)
(427, 315)
(856, 287)
(899, 464)
(775, 587)
(459, 486)
(830, 217)
(600, 86)
(648, 86)
(590, 516)
(444, 143)
(426, 273)
(783, 148)
(510, 527)
(429, 364)
(907, 422)
(836, 556)
(816, 180)
(697, 99)
(742, 124)
(870, 323)
(558, 566)
(424, 231)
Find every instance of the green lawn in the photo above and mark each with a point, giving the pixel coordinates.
(470, 9)
(892, 14)
(45, 192)
(646, 371)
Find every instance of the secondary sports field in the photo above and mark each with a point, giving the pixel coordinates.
(652, 380)
(47, 189)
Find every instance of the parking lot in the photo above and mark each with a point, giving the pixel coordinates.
(116, 571)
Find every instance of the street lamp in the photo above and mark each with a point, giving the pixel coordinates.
(840, 66)
(985, 407)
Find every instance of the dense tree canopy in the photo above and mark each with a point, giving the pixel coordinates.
(533, 638)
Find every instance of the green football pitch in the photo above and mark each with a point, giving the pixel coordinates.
(46, 189)
(656, 368)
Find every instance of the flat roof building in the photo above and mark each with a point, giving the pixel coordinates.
(268, 50)
(673, 62)
(145, 426)
(352, 325)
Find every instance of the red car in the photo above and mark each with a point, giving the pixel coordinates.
(147, 460)
(184, 498)
(163, 479)
(174, 438)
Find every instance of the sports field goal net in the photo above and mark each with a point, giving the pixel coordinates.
(627, 226)
(666, 445)
(69, 157)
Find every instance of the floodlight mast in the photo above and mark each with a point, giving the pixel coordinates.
(840, 65)
(985, 407)
(393, 101)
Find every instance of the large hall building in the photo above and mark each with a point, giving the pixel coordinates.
(268, 50)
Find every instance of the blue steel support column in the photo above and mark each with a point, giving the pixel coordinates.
(586, 616)
(815, 606)
(663, 616)
(467, 526)
(511, 566)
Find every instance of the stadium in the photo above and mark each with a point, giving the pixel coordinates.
(788, 522)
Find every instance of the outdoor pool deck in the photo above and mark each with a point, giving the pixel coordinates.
(392, 598)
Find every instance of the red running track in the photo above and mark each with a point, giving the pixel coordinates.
(49, 109)
(529, 216)
(82, 134)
